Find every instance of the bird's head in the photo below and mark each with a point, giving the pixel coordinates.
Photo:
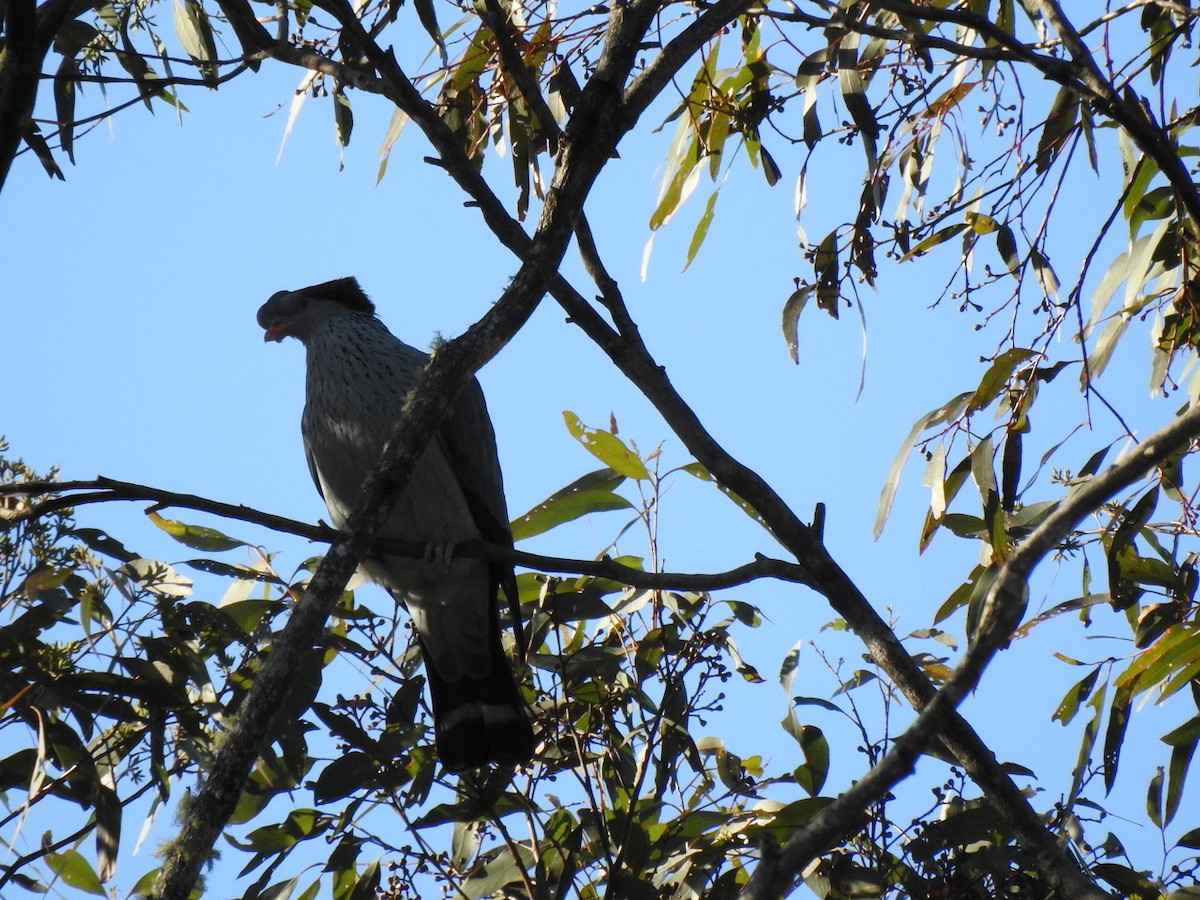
(298, 313)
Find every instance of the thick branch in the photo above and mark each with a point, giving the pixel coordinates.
(589, 141)
(631, 356)
(602, 113)
(1002, 610)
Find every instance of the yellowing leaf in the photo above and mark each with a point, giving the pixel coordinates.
(607, 447)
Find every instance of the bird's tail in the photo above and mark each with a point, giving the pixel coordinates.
(480, 720)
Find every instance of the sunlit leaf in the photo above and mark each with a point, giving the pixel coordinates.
(949, 410)
(198, 537)
(996, 378)
(157, 577)
(196, 35)
(590, 493)
(607, 447)
(938, 237)
(701, 231)
(75, 871)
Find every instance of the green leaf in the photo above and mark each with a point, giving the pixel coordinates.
(790, 667)
(75, 871)
(343, 116)
(607, 447)
(938, 237)
(108, 830)
(854, 95)
(1114, 735)
(1123, 581)
(679, 187)
(1044, 271)
(701, 231)
(198, 537)
(827, 271)
(996, 378)
(949, 410)
(591, 493)
(1059, 124)
(1079, 693)
(64, 104)
(1177, 769)
(770, 167)
(811, 776)
(428, 17)
(395, 125)
(791, 319)
(1154, 798)
(196, 35)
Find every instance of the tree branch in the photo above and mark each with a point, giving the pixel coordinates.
(607, 114)
(630, 355)
(589, 141)
(107, 490)
(1001, 613)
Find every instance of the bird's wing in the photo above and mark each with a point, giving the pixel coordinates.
(469, 444)
(312, 462)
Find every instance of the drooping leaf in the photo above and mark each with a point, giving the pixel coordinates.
(1006, 246)
(855, 97)
(996, 378)
(428, 17)
(1060, 122)
(701, 231)
(64, 104)
(108, 830)
(343, 116)
(196, 35)
(948, 411)
(1121, 553)
(791, 318)
(827, 270)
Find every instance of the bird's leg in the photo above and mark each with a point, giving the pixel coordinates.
(441, 553)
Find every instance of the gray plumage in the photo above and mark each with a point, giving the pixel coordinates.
(359, 375)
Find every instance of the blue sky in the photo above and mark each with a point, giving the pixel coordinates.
(131, 351)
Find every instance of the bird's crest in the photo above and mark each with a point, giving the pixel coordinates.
(344, 291)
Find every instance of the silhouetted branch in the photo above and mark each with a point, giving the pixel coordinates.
(108, 490)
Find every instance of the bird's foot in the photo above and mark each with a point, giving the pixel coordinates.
(441, 553)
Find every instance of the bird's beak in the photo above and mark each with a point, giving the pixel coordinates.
(276, 332)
